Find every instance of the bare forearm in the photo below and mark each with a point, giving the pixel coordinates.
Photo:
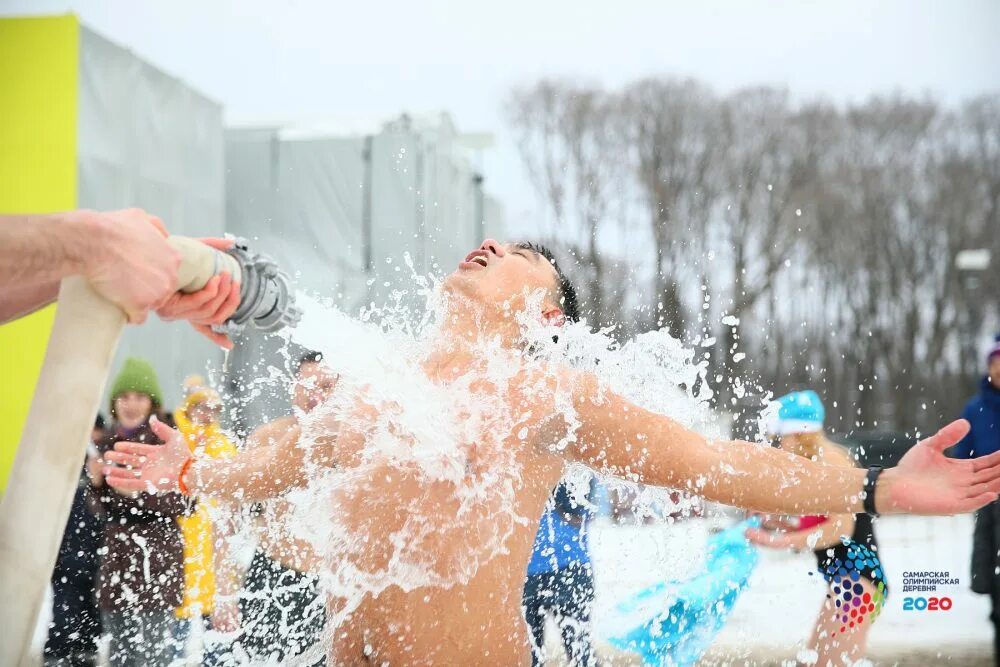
(770, 480)
(241, 479)
(46, 248)
(255, 474)
(20, 300)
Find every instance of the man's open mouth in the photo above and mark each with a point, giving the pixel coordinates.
(477, 257)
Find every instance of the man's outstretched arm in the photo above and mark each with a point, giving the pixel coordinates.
(627, 440)
(253, 474)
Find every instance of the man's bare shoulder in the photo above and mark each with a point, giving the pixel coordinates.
(547, 401)
(272, 432)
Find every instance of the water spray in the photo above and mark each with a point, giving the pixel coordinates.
(42, 481)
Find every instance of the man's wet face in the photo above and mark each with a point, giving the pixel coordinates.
(498, 274)
(313, 385)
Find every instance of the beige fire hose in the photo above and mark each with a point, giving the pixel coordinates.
(53, 445)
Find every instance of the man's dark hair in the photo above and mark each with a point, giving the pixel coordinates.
(308, 357)
(567, 293)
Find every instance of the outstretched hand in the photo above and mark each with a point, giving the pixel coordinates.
(149, 468)
(928, 482)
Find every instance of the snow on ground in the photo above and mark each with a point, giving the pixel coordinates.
(776, 613)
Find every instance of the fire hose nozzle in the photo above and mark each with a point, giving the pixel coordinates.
(266, 299)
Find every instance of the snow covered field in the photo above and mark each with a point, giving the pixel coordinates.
(776, 613)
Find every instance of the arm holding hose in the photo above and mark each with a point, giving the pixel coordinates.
(125, 257)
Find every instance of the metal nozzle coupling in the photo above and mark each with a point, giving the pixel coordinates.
(266, 299)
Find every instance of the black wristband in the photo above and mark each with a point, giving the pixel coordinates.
(868, 494)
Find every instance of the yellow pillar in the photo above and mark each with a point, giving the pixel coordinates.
(39, 77)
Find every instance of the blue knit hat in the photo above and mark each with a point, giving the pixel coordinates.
(797, 412)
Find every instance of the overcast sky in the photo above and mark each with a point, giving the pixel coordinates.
(308, 60)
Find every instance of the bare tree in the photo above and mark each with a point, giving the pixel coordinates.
(826, 234)
(566, 135)
(672, 129)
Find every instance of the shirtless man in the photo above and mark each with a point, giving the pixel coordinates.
(479, 620)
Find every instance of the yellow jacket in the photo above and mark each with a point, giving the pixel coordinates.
(199, 571)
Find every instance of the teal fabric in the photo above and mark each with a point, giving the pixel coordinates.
(674, 623)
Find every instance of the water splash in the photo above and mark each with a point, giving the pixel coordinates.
(416, 482)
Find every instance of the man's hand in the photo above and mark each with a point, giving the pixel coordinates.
(132, 265)
(213, 304)
(149, 468)
(129, 262)
(928, 482)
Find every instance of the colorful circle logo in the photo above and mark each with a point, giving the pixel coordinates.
(854, 603)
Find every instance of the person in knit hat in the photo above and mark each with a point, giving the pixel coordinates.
(983, 413)
(198, 420)
(140, 579)
(135, 393)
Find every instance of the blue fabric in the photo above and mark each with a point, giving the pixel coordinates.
(804, 406)
(674, 623)
(983, 412)
(558, 543)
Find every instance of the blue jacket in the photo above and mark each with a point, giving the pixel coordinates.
(561, 540)
(983, 412)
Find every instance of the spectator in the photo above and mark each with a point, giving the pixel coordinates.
(198, 420)
(836, 636)
(560, 578)
(76, 621)
(140, 578)
(983, 412)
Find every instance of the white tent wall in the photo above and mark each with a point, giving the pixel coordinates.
(301, 202)
(146, 139)
(425, 197)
